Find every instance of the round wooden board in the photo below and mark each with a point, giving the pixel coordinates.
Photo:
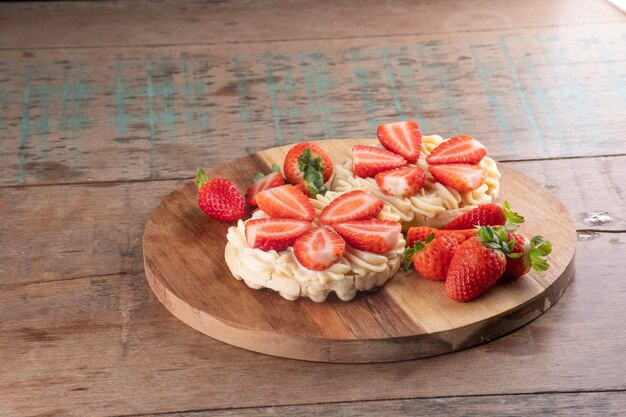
(408, 317)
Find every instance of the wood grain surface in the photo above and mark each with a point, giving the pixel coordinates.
(407, 318)
(107, 106)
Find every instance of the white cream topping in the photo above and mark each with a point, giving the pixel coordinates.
(435, 204)
(280, 271)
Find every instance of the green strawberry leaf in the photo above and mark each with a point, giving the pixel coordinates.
(495, 238)
(513, 219)
(540, 248)
(275, 168)
(258, 176)
(201, 178)
(313, 170)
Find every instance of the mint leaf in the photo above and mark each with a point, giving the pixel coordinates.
(313, 172)
(201, 178)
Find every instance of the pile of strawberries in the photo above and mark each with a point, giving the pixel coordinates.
(471, 260)
(453, 163)
(347, 219)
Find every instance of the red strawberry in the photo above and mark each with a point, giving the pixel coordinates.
(319, 248)
(432, 257)
(403, 138)
(421, 233)
(272, 180)
(487, 215)
(377, 236)
(219, 198)
(461, 177)
(461, 149)
(403, 182)
(277, 234)
(526, 255)
(368, 161)
(355, 205)
(477, 264)
(308, 162)
(286, 201)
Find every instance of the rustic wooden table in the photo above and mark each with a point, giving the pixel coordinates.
(106, 107)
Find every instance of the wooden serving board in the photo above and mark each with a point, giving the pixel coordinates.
(409, 317)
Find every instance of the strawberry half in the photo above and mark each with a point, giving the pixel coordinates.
(431, 258)
(355, 205)
(461, 177)
(263, 182)
(403, 182)
(477, 264)
(526, 255)
(319, 248)
(421, 233)
(219, 198)
(286, 201)
(487, 215)
(462, 149)
(368, 161)
(274, 234)
(402, 138)
(308, 162)
(377, 236)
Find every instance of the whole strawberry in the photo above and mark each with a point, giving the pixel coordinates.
(416, 233)
(487, 215)
(526, 255)
(432, 257)
(219, 198)
(477, 264)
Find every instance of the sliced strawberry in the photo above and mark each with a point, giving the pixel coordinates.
(487, 215)
(286, 201)
(377, 236)
(219, 198)
(421, 233)
(277, 234)
(355, 205)
(461, 177)
(461, 149)
(319, 248)
(308, 162)
(403, 138)
(403, 182)
(272, 180)
(368, 161)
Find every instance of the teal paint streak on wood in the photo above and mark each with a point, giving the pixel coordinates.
(152, 119)
(362, 82)
(25, 123)
(165, 91)
(202, 116)
(323, 85)
(496, 108)
(271, 85)
(188, 98)
(601, 53)
(522, 96)
(79, 93)
(391, 81)
(244, 112)
(571, 95)
(42, 122)
(121, 92)
(64, 96)
(290, 89)
(407, 76)
(309, 87)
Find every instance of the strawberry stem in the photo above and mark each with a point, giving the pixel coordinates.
(201, 178)
(313, 170)
(513, 219)
(407, 259)
(539, 249)
(496, 238)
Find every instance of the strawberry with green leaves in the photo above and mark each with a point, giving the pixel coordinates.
(431, 258)
(531, 252)
(219, 198)
(308, 167)
(478, 263)
(263, 182)
(487, 215)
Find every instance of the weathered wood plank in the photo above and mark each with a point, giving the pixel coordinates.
(104, 345)
(575, 404)
(133, 22)
(61, 232)
(110, 114)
